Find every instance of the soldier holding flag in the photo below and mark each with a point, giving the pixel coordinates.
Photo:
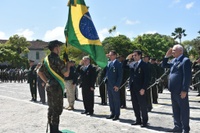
(52, 72)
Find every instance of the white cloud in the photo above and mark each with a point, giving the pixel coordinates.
(129, 22)
(2, 35)
(103, 33)
(189, 5)
(176, 1)
(55, 34)
(28, 34)
(149, 32)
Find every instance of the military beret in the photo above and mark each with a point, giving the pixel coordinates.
(53, 44)
(146, 56)
(31, 61)
(153, 58)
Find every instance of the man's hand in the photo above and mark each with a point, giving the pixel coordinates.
(198, 61)
(183, 94)
(142, 92)
(81, 62)
(91, 88)
(116, 88)
(169, 53)
(130, 56)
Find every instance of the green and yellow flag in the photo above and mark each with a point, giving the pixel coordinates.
(80, 32)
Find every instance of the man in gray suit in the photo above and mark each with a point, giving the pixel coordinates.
(178, 85)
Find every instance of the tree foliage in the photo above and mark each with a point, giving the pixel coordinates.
(121, 44)
(154, 45)
(13, 50)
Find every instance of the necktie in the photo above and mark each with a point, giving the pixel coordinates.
(175, 61)
(111, 64)
(85, 68)
(135, 65)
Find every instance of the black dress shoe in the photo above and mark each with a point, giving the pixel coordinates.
(143, 125)
(84, 112)
(149, 109)
(89, 113)
(176, 130)
(123, 106)
(110, 117)
(115, 118)
(136, 123)
(155, 102)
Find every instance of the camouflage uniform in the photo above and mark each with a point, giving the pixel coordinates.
(53, 88)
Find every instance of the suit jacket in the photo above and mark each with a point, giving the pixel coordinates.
(32, 75)
(88, 77)
(114, 74)
(139, 78)
(180, 74)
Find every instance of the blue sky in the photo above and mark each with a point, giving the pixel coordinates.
(46, 19)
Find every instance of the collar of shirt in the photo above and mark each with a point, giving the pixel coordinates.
(87, 66)
(139, 62)
(114, 61)
(179, 57)
(111, 61)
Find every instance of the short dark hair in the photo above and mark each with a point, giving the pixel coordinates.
(114, 52)
(53, 44)
(139, 52)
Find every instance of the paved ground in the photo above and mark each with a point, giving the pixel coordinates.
(19, 115)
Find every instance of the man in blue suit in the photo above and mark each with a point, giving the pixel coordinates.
(139, 81)
(178, 85)
(114, 78)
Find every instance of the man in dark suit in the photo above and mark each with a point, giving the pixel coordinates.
(88, 79)
(151, 70)
(154, 77)
(114, 78)
(102, 86)
(138, 86)
(125, 76)
(179, 82)
(32, 79)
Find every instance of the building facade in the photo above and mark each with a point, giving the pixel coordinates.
(36, 50)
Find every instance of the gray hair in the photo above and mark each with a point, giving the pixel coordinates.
(179, 47)
(86, 57)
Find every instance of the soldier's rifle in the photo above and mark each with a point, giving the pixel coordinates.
(103, 81)
(195, 84)
(196, 73)
(193, 77)
(159, 79)
(125, 83)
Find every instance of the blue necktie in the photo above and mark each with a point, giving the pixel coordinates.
(85, 68)
(111, 64)
(135, 65)
(175, 61)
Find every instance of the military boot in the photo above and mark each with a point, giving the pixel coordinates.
(55, 129)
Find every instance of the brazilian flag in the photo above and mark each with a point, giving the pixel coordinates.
(80, 32)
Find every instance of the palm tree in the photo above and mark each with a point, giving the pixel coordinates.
(199, 34)
(113, 29)
(179, 33)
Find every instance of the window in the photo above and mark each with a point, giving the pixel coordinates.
(37, 55)
(26, 55)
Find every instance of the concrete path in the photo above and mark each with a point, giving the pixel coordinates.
(19, 115)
